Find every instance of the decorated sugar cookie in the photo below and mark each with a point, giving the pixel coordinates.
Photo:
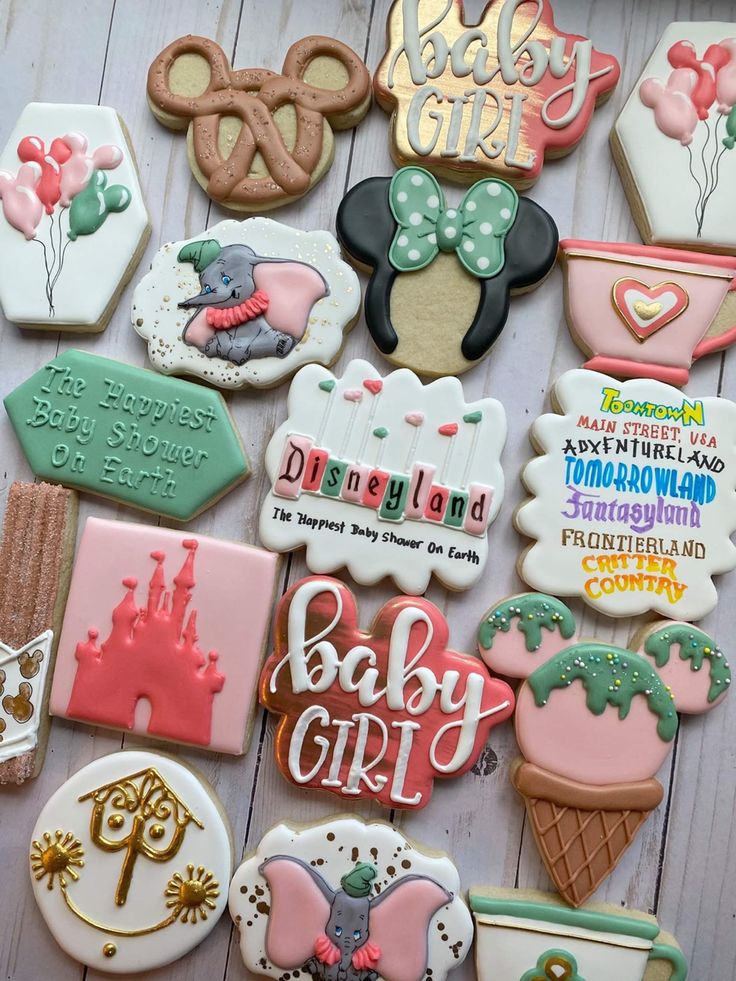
(594, 723)
(349, 899)
(527, 935)
(73, 224)
(478, 89)
(246, 303)
(130, 861)
(159, 444)
(377, 714)
(639, 311)
(385, 476)
(674, 139)
(258, 139)
(442, 276)
(163, 634)
(37, 545)
(633, 497)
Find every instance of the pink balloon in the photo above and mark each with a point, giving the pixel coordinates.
(77, 170)
(22, 207)
(682, 54)
(674, 112)
(726, 78)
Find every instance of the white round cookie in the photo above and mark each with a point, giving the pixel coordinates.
(130, 861)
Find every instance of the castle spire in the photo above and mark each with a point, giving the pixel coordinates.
(183, 585)
(157, 584)
(125, 614)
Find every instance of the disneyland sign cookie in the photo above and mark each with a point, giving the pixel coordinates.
(160, 444)
(73, 224)
(493, 95)
(594, 722)
(144, 629)
(377, 714)
(352, 900)
(385, 476)
(633, 497)
(442, 275)
(274, 156)
(130, 861)
(246, 303)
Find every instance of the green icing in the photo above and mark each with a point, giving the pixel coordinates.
(381, 432)
(358, 883)
(610, 676)
(89, 209)
(328, 385)
(156, 443)
(534, 611)
(201, 254)
(554, 965)
(696, 647)
(473, 417)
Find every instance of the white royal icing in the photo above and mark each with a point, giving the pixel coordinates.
(94, 264)
(634, 497)
(83, 915)
(407, 415)
(158, 319)
(20, 735)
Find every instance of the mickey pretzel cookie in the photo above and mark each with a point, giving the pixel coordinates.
(246, 148)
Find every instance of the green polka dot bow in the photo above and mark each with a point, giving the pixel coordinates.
(476, 230)
(554, 965)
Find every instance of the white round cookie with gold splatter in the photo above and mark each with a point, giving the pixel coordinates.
(130, 861)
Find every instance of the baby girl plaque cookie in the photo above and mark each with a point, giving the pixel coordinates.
(487, 89)
(633, 497)
(377, 714)
(674, 140)
(349, 899)
(163, 634)
(246, 303)
(385, 476)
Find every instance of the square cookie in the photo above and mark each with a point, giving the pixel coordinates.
(163, 634)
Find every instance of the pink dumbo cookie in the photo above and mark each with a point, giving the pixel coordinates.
(246, 303)
(349, 900)
(594, 723)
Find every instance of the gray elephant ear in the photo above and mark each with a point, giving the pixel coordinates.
(200, 254)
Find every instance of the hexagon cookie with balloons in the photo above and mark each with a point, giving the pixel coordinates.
(73, 223)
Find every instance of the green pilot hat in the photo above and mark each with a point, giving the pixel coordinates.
(201, 253)
(358, 882)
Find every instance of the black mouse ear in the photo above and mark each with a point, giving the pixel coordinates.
(365, 224)
(531, 245)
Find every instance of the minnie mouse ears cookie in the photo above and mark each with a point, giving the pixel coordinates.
(274, 157)
(442, 277)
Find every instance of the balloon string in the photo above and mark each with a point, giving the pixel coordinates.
(714, 169)
(697, 182)
(705, 193)
(62, 253)
(48, 274)
(716, 178)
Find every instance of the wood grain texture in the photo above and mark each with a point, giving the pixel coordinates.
(683, 863)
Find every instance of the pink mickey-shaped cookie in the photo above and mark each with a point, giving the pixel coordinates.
(523, 632)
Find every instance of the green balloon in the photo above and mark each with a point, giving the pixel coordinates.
(89, 209)
(730, 140)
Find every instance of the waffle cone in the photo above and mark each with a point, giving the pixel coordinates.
(582, 830)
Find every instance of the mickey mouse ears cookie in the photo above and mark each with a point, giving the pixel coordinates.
(192, 86)
(442, 276)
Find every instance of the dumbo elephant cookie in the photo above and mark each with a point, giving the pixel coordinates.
(674, 139)
(442, 275)
(73, 223)
(130, 861)
(594, 722)
(246, 303)
(258, 139)
(349, 900)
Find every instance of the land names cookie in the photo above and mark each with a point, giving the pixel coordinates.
(385, 476)
(246, 303)
(159, 444)
(377, 714)
(633, 497)
(258, 139)
(39, 529)
(674, 139)
(349, 899)
(478, 89)
(130, 861)
(73, 223)
(163, 634)
(442, 276)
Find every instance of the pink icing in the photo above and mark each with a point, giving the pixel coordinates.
(292, 288)
(509, 657)
(480, 499)
(398, 925)
(566, 738)
(299, 914)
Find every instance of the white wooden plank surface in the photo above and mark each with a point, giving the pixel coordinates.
(683, 865)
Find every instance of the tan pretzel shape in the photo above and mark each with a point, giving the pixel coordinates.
(253, 95)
